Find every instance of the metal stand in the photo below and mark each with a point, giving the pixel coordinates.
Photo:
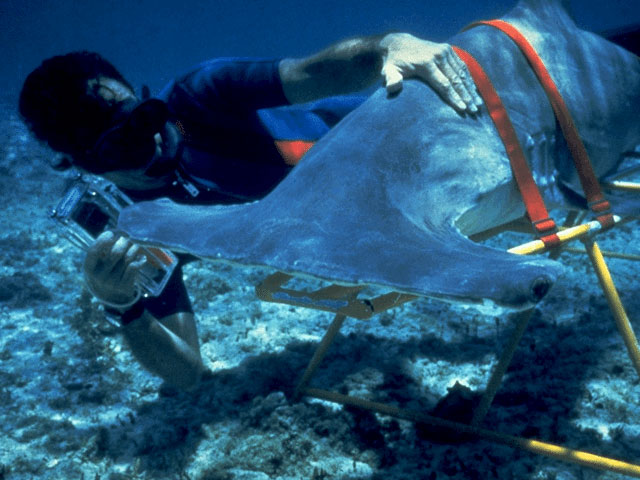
(344, 302)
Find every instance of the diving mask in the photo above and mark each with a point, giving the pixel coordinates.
(130, 143)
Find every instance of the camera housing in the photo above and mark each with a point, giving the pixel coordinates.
(91, 205)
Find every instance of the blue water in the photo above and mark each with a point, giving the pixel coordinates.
(151, 41)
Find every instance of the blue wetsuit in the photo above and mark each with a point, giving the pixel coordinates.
(231, 111)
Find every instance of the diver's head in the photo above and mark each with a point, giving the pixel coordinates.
(81, 105)
(69, 100)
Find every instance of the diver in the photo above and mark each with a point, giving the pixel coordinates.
(227, 132)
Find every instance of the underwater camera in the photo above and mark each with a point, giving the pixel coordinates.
(92, 205)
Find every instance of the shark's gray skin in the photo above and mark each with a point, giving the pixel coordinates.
(390, 195)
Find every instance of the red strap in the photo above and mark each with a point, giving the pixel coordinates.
(536, 210)
(293, 150)
(590, 185)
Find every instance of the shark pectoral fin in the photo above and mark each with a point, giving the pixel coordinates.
(384, 249)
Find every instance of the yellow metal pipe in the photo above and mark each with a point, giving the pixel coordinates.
(565, 235)
(624, 186)
(615, 304)
(542, 448)
(578, 457)
(538, 246)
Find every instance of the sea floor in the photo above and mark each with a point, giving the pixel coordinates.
(75, 405)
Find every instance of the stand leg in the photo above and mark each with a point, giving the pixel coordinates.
(617, 309)
(319, 354)
(501, 368)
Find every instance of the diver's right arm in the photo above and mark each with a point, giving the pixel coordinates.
(166, 346)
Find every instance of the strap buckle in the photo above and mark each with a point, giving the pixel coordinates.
(547, 230)
(602, 208)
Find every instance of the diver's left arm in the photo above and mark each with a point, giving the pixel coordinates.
(352, 65)
(167, 347)
(161, 331)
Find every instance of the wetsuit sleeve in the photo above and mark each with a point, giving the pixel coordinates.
(227, 85)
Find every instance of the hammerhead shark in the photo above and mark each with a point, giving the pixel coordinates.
(390, 196)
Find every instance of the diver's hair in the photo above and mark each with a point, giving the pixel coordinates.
(58, 106)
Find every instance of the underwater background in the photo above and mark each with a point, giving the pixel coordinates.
(75, 405)
(151, 41)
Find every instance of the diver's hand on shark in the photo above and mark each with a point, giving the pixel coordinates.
(110, 269)
(434, 63)
(355, 64)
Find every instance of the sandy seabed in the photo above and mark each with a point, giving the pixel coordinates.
(75, 405)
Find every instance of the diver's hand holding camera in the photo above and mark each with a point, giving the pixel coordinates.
(111, 267)
(118, 272)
